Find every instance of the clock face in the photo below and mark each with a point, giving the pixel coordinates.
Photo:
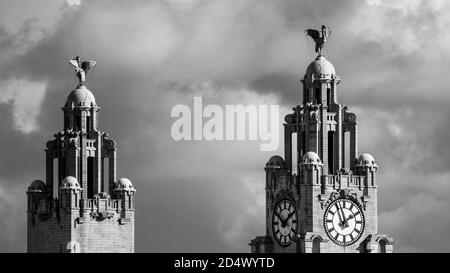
(284, 222)
(343, 221)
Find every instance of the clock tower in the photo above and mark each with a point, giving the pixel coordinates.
(322, 197)
(81, 206)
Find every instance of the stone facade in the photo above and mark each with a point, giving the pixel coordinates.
(82, 207)
(325, 170)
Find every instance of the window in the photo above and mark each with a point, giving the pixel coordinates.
(90, 176)
(63, 168)
(328, 96)
(55, 177)
(316, 245)
(382, 246)
(88, 123)
(363, 247)
(303, 150)
(105, 174)
(304, 94)
(317, 96)
(78, 123)
(330, 152)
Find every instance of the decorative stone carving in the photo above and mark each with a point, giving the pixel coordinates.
(344, 193)
(102, 215)
(109, 143)
(348, 116)
(290, 118)
(314, 114)
(103, 195)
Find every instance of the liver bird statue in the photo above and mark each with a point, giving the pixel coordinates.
(319, 37)
(81, 68)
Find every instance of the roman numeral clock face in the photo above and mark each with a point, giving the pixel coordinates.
(343, 222)
(284, 222)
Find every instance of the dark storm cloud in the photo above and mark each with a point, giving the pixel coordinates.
(199, 196)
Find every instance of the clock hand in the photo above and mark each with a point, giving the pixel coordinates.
(290, 215)
(283, 222)
(351, 216)
(343, 223)
(339, 214)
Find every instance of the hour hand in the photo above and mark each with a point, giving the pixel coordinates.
(351, 216)
(281, 218)
(290, 215)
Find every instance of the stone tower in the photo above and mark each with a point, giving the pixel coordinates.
(322, 197)
(82, 207)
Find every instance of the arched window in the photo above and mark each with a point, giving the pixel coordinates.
(316, 245)
(382, 246)
(363, 247)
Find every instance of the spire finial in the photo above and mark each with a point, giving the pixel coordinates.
(81, 68)
(320, 37)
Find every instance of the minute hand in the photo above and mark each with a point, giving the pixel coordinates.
(339, 211)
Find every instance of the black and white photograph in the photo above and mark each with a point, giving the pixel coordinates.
(224, 126)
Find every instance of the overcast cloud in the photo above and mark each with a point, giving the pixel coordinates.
(392, 56)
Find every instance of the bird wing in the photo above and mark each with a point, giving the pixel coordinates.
(88, 65)
(74, 63)
(315, 34)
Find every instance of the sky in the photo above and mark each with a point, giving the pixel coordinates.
(198, 196)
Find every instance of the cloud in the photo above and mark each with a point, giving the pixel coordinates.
(419, 212)
(152, 55)
(373, 2)
(25, 97)
(14, 227)
(73, 2)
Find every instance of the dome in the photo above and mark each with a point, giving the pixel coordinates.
(37, 186)
(320, 68)
(70, 182)
(311, 158)
(124, 184)
(275, 161)
(365, 160)
(81, 96)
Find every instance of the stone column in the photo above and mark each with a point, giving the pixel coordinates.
(324, 149)
(338, 140)
(353, 143)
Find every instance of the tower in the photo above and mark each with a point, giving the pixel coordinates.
(327, 201)
(81, 207)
